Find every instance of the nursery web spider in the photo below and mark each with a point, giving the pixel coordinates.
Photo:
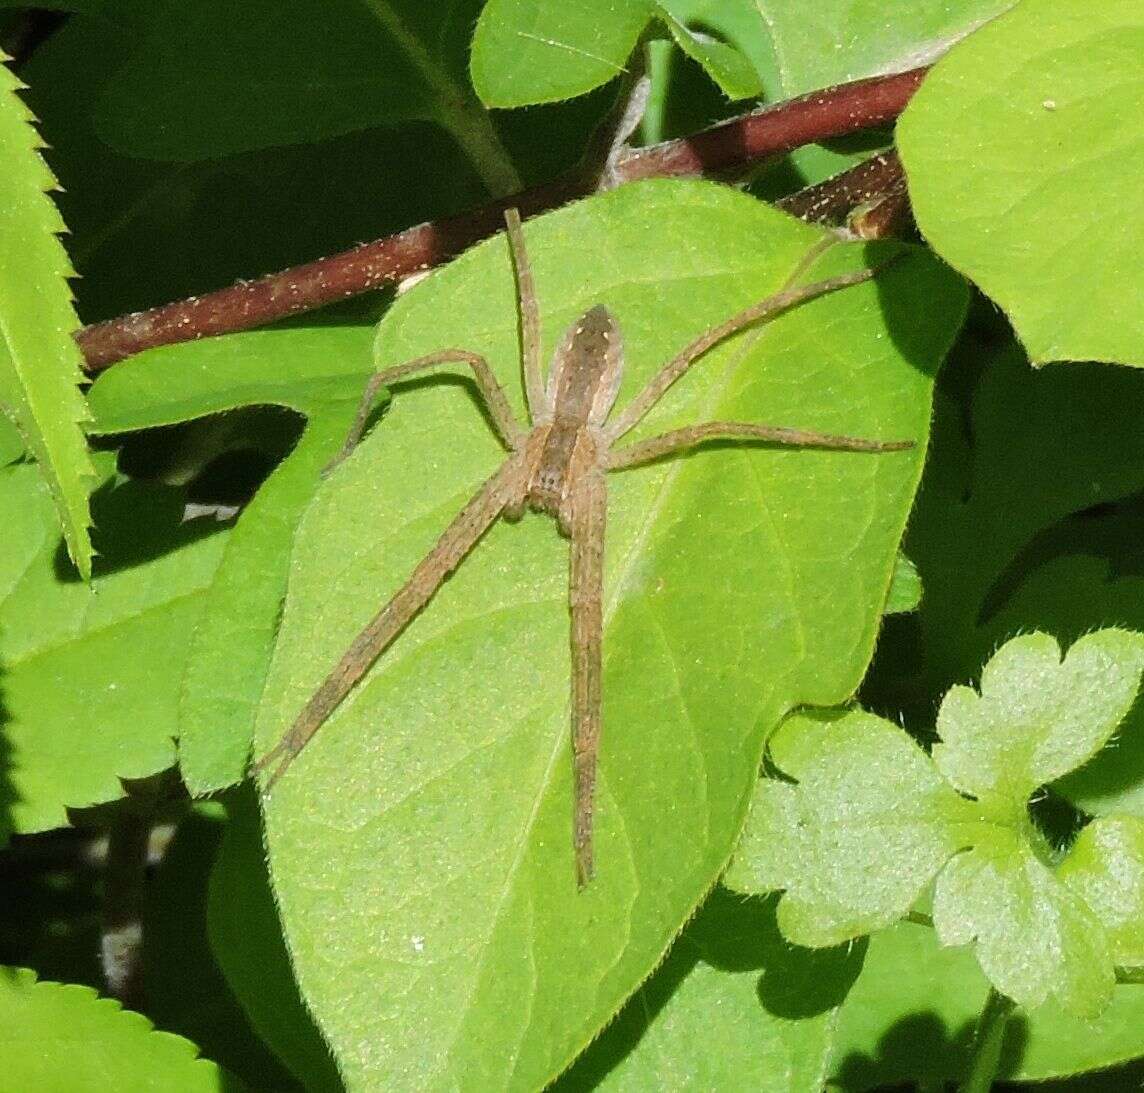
(557, 466)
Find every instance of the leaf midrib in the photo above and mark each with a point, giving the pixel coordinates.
(464, 118)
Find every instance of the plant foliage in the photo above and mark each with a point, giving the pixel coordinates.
(788, 634)
(39, 361)
(873, 821)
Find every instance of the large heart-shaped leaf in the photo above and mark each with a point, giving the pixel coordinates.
(1041, 106)
(421, 847)
(838, 40)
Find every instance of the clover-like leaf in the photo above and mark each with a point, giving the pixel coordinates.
(1034, 937)
(1003, 548)
(1106, 867)
(1037, 718)
(1072, 593)
(872, 820)
(866, 828)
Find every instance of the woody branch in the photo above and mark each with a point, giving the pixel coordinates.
(725, 149)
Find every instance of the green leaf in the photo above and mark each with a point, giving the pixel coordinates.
(1005, 548)
(905, 593)
(184, 989)
(1024, 463)
(525, 53)
(63, 1036)
(11, 442)
(729, 68)
(1043, 103)
(1105, 867)
(135, 223)
(201, 84)
(910, 1016)
(39, 360)
(739, 24)
(436, 802)
(795, 49)
(853, 844)
(1032, 937)
(871, 821)
(233, 640)
(59, 5)
(837, 40)
(1072, 594)
(1037, 718)
(91, 672)
(247, 942)
(319, 372)
(734, 1005)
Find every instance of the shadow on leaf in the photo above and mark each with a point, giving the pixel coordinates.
(737, 936)
(922, 1048)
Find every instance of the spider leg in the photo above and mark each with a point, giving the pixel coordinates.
(813, 254)
(504, 421)
(679, 440)
(763, 311)
(455, 542)
(589, 504)
(529, 318)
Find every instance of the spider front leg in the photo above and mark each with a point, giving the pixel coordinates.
(529, 310)
(503, 489)
(492, 394)
(680, 440)
(762, 312)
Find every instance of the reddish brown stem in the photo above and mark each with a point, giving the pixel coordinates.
(730, 146)
(820, 115)
(876, 180)
(891, 215)
(303, 288)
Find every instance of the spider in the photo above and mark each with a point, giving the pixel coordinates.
(558, 465)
